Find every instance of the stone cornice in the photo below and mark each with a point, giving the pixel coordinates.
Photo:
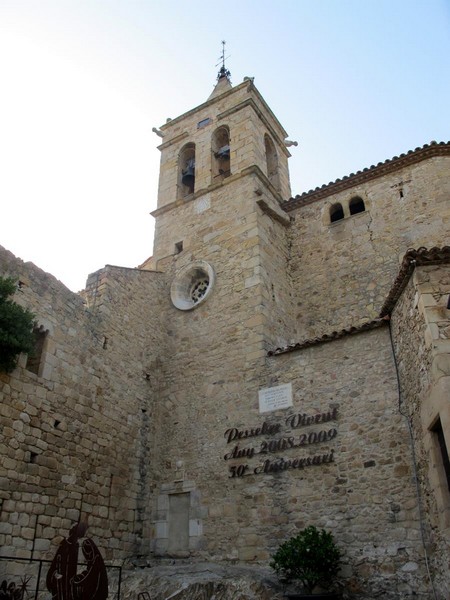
(251, 88)
(367, 174)
(273, 212)
(250, 102)
(248, 171)
(174, 140)
(200, 107)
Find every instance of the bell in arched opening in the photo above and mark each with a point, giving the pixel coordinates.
(221, 153)
(186, 176)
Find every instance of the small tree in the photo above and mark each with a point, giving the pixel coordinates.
(16, 327)
(311, 557)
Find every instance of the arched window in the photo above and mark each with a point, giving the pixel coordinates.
(186, 170)
(220, 146)
(356, 205)
(271, 162)
(336, 212)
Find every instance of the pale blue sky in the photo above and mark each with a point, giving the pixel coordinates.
(84, 82)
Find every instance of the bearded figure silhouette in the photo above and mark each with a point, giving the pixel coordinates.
(63, 580)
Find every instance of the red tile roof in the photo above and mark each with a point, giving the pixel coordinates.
(372, 172)
(329, 337)
(411, 260)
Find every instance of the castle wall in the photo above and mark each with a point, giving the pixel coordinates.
(343, 271)
(76, 437)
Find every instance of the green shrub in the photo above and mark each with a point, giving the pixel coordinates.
(311, 557)
(16, 327)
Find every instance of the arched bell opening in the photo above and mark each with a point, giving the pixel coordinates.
(272, 162)
(220, 146)
(186, 170)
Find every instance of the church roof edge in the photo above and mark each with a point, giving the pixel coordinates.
(372, 172)
(412, 259)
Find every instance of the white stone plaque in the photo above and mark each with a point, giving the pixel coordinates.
(275, 398)
(203, 204)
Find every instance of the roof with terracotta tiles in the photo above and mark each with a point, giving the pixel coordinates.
(411, 260)
(372, 172)
(329, 337)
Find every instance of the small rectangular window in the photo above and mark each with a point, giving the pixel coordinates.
(35, 357)
(178, 247)
(204, 123)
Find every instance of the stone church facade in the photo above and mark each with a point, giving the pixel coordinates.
(278, 362)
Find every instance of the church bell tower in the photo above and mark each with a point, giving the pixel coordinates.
(221, 239)
(208, 153)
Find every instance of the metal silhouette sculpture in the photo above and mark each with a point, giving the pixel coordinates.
(63, 580)
(11, 592)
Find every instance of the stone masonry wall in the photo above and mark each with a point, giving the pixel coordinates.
(343, 271)
(218, 351)
(421, 326)
(366, 494)
(242, 505)
(363, 490)
(276, 285)
(75, 439)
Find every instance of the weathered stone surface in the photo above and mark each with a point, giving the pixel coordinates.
(126, 421)
(201, 581)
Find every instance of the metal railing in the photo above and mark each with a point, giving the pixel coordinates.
(33, 576)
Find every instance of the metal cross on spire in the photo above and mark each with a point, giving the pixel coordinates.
(223, 72)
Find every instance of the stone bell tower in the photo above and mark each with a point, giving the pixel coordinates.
(221, 240)
(223, 164)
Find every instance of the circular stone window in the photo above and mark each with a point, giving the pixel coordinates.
(192, 285)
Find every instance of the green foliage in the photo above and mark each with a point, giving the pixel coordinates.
(311, 557)
(16, 327)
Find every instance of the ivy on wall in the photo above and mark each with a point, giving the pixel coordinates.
(16, 327)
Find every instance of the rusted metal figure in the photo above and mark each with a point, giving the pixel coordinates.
(63, 580)
(11, 592)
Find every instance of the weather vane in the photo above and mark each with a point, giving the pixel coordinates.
(223, 72)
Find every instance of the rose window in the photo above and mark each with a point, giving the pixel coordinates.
(192, 285)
